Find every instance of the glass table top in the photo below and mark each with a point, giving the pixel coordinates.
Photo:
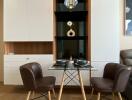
(70, 66)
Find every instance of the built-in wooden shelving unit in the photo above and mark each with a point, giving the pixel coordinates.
(77, 46)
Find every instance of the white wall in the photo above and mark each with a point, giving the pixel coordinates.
(104, 33)
(28, 20)
(125, 41)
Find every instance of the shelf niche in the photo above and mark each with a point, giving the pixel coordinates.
(76, 46)
(29, 48)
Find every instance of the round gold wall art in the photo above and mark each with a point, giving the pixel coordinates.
(71, 32)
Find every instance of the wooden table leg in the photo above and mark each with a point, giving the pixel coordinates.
(61, 87)
(81, 83)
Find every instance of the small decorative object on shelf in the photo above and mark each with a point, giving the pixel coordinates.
(70, 4)
(71, 32)
(69, 23)
(71, 58)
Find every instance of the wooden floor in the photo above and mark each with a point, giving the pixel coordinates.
(18, 93)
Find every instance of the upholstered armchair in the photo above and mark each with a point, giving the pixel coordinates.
(114, 80)
(126, 59)
(34, 81)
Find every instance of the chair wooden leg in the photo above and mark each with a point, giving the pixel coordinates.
(49, 95)
(98, 98)
(92, 92)
(33, 94)
(54, 92)
(120, 97)
(113, 96)
(28, 96)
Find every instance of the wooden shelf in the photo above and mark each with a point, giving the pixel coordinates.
(29, 48)
(71, 38)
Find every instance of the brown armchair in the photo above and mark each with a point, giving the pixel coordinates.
(114, 79)
(126, 59)
(34, 81)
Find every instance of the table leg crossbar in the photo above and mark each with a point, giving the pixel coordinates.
(72, 76)
(69, 73)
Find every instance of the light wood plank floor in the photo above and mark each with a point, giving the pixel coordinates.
(18, 93)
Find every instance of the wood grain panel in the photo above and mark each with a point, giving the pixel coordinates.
(29, 48)
(54, 30)
(88, 29)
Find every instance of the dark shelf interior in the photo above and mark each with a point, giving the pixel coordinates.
(67, 46)
(73, 16)
(79, 28)
(71, 38)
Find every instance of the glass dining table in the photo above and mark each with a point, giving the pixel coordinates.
(71, 76)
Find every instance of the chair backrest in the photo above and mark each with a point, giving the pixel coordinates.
(109, 71)
(119, 74)
(126, 57)
(121, 78)
(29, 73)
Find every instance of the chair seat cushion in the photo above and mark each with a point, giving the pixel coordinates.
(46, 83)
(102, 84)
